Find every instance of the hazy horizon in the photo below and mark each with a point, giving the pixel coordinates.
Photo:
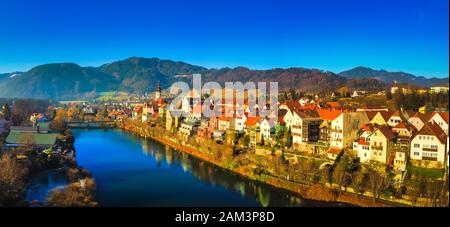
(218, 67)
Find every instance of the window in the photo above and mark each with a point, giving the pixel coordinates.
(400, 155)
(416, 153)
(417, 145)
(420, 137)
(434, 147)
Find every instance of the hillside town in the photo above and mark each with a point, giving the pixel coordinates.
(361, 148)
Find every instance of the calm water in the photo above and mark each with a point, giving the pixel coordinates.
(44, 183)
(132, 171)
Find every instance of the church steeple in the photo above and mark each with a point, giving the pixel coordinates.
(158, 91)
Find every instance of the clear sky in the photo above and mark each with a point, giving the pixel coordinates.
(410, 36)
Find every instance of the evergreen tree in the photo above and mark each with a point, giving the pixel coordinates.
(6, 112)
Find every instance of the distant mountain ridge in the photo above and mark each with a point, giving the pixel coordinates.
(391, 77)
(68, 81)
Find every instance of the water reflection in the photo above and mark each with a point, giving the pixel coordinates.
(133, 171)
(210, 174)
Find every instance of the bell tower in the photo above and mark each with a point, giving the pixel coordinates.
(158, 92)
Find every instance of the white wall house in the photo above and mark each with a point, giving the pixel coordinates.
(429, 144)
(440, 119)
(267, 128)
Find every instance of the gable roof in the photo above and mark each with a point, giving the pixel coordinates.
(304, 114)
(386, 131)
(423, 117)
(251, 121)
(371, 114)
(403, 125)
(432, 129)
(443, 115)
(329, 114)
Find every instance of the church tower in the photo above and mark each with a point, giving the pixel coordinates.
(158, 92)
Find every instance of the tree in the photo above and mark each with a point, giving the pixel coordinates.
(344, 91)
(11, 181)
(388, 95)
(376, 179)
(58, 123)
(6, 112)
(27, 141)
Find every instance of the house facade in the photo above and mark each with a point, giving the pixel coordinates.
(429, 144)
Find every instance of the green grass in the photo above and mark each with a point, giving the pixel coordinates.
(425, 172)
(15, 137)
(112, 95)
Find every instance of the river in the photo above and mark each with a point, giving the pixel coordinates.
(133, 171)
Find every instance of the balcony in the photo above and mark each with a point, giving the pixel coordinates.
(429, 149)
(429, 158)
(336, 130)
(380, 148)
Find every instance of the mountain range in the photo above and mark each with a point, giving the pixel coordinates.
(68, 81)
(392, 77)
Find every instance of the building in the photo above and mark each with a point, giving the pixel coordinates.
(395, 118)
(441, 119)
(429, 144)
(253, 129)
(403, 131)
(418, 120)
(239, 123)
(305, 127)
(327, 116)
(382, 118)
(267, 128)
(158, 92)
(401, 159)
(137, 112)
(188, 128)
(375, 143)
(226, 123)
(344, 129)
(439, 88)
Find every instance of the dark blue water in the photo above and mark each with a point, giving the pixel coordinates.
(132, 171)
(43, 183)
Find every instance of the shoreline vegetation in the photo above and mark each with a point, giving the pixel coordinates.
(17, 174)
(223, 158)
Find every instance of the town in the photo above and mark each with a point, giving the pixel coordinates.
(382, 152)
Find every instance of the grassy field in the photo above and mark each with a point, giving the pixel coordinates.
(112, 95)
(377, 100)
(426, 173)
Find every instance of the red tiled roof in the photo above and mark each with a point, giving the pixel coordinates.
(433, 130)
(403, 125)
(329, 114)
(138, 109)
(444, 115)
(362, 142)
(371, 114)
(251, 121)
(291, 105)
(307, 113)
(423, 117)
(335, 151)
(386, 131)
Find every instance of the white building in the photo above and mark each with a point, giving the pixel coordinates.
(267, 128)
(441, 119)
(439, 89)
(429, 144)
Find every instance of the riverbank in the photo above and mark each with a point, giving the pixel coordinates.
(307, 191)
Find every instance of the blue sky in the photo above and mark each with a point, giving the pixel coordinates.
(410, 36)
